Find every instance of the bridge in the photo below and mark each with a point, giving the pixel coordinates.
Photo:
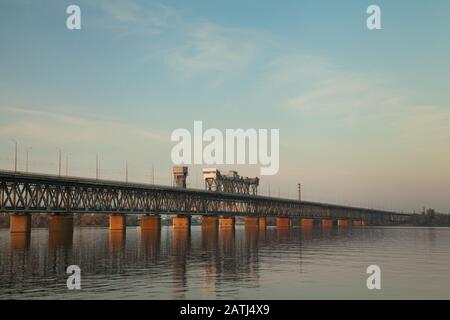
(22, 194)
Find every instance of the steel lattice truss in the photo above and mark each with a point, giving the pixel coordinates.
(28, 193)
(232, 184)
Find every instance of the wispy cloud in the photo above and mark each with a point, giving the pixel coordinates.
(54, 128)
(210, 47)
(316, 87)
(127, 18)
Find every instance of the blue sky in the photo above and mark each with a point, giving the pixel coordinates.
(364, 116)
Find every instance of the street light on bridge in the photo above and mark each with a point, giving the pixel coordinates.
(59, 163)
(97, 166)
(15, 155)
(27, 166)
(67, 164)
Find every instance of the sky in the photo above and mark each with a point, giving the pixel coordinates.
(364, 115)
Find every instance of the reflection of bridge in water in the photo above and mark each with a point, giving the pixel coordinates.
(219, 257)
(22, 194)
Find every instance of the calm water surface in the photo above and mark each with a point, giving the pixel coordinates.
(242, 264)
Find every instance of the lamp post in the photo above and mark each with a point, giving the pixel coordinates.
(27, 166)
(152, 174)
(15, 155)
(67, 164)
(59, 162)
(96, 167)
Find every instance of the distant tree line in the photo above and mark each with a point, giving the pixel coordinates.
(429, 217)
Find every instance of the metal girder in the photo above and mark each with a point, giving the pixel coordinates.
(28, 193)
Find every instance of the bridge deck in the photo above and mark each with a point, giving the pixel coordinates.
(30, 192)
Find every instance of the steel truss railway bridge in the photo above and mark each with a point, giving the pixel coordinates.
(22, 194)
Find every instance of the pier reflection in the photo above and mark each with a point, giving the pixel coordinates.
(209, 262)
(117, 240)
(151, 244)
(283, 234)
(20, 242)
(181, 242)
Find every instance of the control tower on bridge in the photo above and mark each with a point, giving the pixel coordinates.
(230, 182)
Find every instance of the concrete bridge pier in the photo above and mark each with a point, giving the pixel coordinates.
(117, 239)
(181, 221)
(327, 223)
(306, 223)
(60, 223)
(20, 223)
(60, 230)
(150, 222)
(283, 222)
(181, 237)
(251, 222)
(20, 241)
(226, 222)
(262, 223)
(117, 222)
(210, 221)
(117, 231)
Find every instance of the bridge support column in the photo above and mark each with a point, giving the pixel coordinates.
(60, 230)
(20, 223)
(226, 222)
(283, 222)
(307, 223)
(20, 241)
(251, 222)
(117, 239)
(342, 223)
(262, 222)
(151, 222)
(181, 221)
(117, 222)
(327, 223)
(60, 223)
(210, 221)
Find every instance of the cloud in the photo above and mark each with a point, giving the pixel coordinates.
(127, 18)
(316, 87)
(212, 48)
(54, 128)
(125, 11)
